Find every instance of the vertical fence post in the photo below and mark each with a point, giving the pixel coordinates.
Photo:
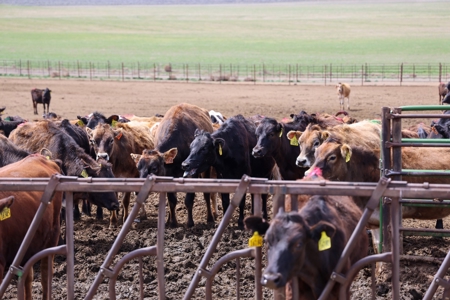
(123, 74)
(382, 72)
(90, 71)
(401, 73)
(199, 73)
(78, 68)
(108, 69)
(139, 70)
(362, 74)
(187, 72)
(154, 71)
(20, 68)
(264, 72)
(220, 73)
(289, 74)
(331, 73)
(28, 63)
(414, 72)
(325, 74)
(254, 74)
(59, 69)
(296, 73)
(440, 72)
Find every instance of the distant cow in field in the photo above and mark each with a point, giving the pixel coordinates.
(443, 90)
(343, 91)
(41, 96)
(307, 244)
(22, 211)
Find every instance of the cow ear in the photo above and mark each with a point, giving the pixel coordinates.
(255, 223)
(197, 132)
(136, 157)
(170, 155)
(324, 135)
(291, 134)
(89, 132)
(112, 118)
(118, 134)
(6, 202)
(346, 152)
(317, 229)
(47, 153)
(292, 116)
(219, 144)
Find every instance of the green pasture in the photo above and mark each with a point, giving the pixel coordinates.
(298, 33)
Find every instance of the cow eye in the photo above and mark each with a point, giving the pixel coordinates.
(332, 158)
(316, 144)
(111, 141)
(92, 142)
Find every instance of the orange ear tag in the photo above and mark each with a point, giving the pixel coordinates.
(119, 136)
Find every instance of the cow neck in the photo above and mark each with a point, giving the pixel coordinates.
(285, 151)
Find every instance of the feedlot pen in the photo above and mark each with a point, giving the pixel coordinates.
(395, 191)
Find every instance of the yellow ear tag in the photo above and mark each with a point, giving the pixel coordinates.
(347, 157)
(48, 157)
(281, 132)
(256, 240)
(80, 123)
(294, 141)
(84, 174)
(220, 149)
(5, 214)
(324, 242)
(113, 123)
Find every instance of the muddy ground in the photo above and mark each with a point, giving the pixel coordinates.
(185, 247)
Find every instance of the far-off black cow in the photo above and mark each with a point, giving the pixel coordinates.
(308, 243)
(41, 96)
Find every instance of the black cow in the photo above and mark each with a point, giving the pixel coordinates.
(6, 127)
(308, 243)
(33, 137)
(41, 96)
(91, 121)
(228, 151)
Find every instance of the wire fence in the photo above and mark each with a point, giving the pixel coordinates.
(268, 73)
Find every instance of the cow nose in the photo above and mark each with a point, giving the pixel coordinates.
(256, 151)
(103, 155)
(301, 162)
(115, 206)
(272, 281)
(185, 165)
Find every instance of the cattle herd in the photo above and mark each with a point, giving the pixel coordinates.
(190, 141)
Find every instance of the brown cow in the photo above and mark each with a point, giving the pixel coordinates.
(41, 96)
(338, 161)
(442, 90)
(173, 137)
(115, 144)
(365, 134)
(14, 228)
(297, 245)
(343, 91)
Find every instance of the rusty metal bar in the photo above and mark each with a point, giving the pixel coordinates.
(45, 200)
(49, 252)
(160, 245)
(294, 202)
(355, 268)
(238, 278)
(438, 279)
(70, 259)
(248, 252)
(147, 251)
(431, 143)
(397, 247)
(234, 203)
(104, 269)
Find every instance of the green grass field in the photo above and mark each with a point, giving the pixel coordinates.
(303, 33)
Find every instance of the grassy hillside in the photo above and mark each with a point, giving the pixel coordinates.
(304, 33)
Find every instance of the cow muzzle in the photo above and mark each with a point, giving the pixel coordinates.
(257, 152)
(103, 155)
(272, 280)
(302, 162)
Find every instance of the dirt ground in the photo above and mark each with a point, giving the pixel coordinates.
(185, 247)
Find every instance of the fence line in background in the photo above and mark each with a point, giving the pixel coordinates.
(196, 72)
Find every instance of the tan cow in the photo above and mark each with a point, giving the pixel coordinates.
(343, 91)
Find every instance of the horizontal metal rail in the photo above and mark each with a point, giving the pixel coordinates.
(422, 107)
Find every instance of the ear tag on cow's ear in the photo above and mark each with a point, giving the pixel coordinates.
(294, 141)
(80, 123)
(220, 149)
(84, 174)
(256, 240)
(47, 157)
(113, 123)
(324, 242)
(347, 157)
(5, 213)
(119, 136)
(281, 132)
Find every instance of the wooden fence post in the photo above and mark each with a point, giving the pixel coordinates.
(325, 74)
(254, 74)
(59, 69)
(123, 75)
(139, 71)
(90, 71)
(154, 71)
(199, 73)
(29, 75)
(20, 68)
(289, 74)
(331, 73)
(440, 72)
(362, 74)
(220, 73)
(401, 73)
(187, 73)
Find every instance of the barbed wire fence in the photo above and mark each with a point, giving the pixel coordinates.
(256, 73)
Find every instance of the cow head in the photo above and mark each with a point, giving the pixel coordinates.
(104, 140)
(269, 133)
(292, 244)
(339, 89)
(46, 93)
(332, 159)
(92, 120)
(308, 141)
(152, 161)
(303, 119)
(100, 169)
(203, 151)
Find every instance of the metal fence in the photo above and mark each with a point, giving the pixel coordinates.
(162, 185)
(197, 72)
